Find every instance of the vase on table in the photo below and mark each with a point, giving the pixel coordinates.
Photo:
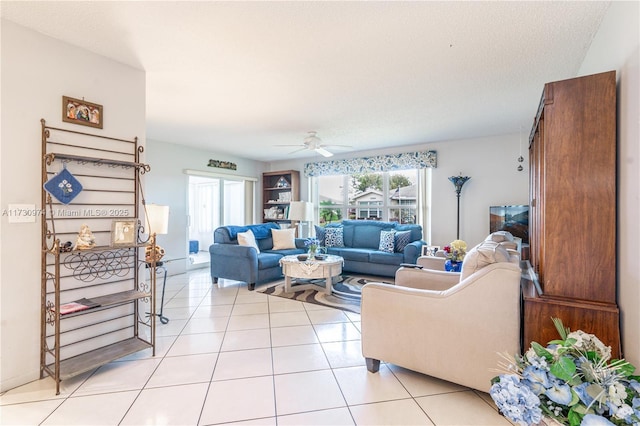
(312, 253)
(452, 266)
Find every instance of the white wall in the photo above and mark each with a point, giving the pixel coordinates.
(36, 72)
(616, 47)
(167, 184)
(491, 164)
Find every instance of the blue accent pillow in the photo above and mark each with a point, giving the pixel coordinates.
(320, 233)
(63, 186)
(402, 238)
(387, 241)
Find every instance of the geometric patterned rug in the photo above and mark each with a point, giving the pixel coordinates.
(345, 294)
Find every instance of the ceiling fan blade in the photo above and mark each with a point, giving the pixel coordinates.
(297, 150)
(323, 152)
(289, 145)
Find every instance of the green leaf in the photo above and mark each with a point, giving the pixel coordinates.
(574, 398)
(581, 409)
(541, 351)
(574, 418)
(625, 368)
(562, 330)
(564, 368)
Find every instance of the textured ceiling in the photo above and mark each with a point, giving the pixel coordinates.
(243, 77)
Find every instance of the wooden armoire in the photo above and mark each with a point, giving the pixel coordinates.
(572, 218)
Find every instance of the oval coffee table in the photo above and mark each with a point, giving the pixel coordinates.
(326, 269)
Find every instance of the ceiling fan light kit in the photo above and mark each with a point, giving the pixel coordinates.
(315, 143)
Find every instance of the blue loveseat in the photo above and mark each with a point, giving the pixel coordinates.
(360, 240)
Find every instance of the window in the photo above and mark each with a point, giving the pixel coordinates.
(388, 196)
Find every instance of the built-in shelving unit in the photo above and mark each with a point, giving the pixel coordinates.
(116, 279)
(278, 190)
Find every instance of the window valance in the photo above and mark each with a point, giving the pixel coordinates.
(379, 163)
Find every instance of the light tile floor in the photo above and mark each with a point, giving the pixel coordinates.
(233, 356)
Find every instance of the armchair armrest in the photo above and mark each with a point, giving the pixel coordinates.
(432, 262)
(426, 279)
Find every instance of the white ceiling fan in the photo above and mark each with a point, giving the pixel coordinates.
(314, 143)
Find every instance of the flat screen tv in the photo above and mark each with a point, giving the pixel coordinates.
(514, 219)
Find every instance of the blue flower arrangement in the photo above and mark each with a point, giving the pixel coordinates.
(572, 381)
(313, 244)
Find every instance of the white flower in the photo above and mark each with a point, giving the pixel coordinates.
(589, 342)
(617, 393)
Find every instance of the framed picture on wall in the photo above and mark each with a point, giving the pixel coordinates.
(82, 112)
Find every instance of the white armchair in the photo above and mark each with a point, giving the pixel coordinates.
(443, 324)
(432, 262)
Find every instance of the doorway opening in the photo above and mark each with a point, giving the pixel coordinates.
(214, 202)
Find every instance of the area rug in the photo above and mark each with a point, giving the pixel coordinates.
(346, 293)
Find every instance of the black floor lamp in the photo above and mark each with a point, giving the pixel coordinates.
(458, 181)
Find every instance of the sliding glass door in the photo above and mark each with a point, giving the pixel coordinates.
(214, 202)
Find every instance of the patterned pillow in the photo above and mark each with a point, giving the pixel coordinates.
(402, 238)
(387, 241)
(333, 237)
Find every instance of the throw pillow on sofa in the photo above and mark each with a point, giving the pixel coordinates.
(248, 239)
(320, 234)
(283, 238)
(333, 237)
(387, 241)
(401, 239)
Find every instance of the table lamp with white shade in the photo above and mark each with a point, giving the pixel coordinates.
(158, 224)
(301, 211)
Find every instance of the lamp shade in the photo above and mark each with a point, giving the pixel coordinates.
(301, 211)
(158, 218)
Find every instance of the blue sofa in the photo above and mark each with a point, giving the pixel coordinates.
(361, 240)
(360, 252)
(235, 262)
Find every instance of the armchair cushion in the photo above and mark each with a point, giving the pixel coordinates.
(283, 238)
(485, 253)
(505, 238)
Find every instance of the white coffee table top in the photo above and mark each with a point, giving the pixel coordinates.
(326, 268)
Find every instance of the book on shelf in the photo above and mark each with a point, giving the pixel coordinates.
(77, 306)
